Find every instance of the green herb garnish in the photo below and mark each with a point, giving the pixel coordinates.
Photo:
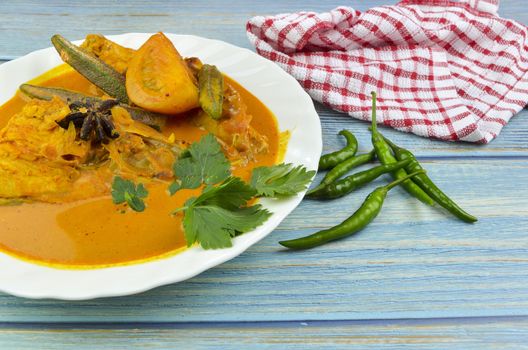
(202, 163)
(280, 180)
(221, 213)
(126, 191)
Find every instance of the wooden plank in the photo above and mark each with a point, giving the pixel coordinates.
(509, 333)
(27, 25)
(412, 262)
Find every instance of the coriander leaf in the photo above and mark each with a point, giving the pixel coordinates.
(141, 191)
(126, 191)
(214, 226)
(202, 163)
(232, 193)
(188, 175)
(219, 214)
(280, 180)
(174, 187)
(134, 202)
(119, 188)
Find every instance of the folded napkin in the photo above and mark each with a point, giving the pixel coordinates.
(442, 69)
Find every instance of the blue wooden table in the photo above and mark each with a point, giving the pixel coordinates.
(414, 278)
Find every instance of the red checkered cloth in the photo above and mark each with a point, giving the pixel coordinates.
(442, 69)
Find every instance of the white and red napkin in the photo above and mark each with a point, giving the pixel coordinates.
(442, 69)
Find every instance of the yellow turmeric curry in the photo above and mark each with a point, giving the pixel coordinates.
(56, 169)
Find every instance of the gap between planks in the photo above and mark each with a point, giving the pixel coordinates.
(438, 321)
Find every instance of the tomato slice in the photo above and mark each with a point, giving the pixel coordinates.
(158, 80)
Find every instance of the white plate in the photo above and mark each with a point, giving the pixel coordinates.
(275, 88)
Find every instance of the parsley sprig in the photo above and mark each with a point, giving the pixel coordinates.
(126, 191)
(222, 211)
(280, 180)
(202, 163)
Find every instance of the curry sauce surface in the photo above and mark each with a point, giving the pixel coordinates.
(96, 231)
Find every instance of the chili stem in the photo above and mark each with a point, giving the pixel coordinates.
(374, 120)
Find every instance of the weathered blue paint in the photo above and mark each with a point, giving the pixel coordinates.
(390, 286)
(468, 334)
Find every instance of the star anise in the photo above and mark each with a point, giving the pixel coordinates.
(93, 120)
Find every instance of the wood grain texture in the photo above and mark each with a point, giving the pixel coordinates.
(27, 25)
(413, 262)
(31, 23)
(468, 334)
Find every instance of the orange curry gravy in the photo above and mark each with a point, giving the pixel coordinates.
(97, 232)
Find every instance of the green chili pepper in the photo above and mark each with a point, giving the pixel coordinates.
(354, 181)
(330, 160)
(343, 168)
(366, 213)
(384, 154)
(92, 68)
(428, 185)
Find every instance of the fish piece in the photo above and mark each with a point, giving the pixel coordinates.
(113, 54)
(41, 161)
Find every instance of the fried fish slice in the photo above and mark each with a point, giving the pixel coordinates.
(113, 54)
